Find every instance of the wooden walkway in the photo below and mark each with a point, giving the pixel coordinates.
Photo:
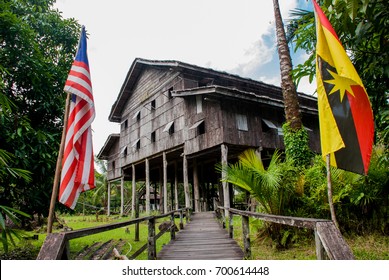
(202, 239)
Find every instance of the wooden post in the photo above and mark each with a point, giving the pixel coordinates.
(320, 252)
(152, 250)
(147, 186)
(58, 168)
(196, 187)
(186, 182)
(230, 226)
(133, 202)
(181, 220)
(176, 186)
(122, 195)
(187, 215)
(246, 236)
(109, 199)
(66, 251)
(136, 216)
(226, 191)
(172, 227)
(165, 198)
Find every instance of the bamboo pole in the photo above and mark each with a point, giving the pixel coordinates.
(329, 191)
(58, 168)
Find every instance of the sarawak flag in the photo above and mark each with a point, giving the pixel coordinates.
(78, 163)
(345, 115)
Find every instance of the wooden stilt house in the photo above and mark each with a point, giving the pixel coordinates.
(178, 120)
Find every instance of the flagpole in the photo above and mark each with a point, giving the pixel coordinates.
(58, 168)
(329, 191)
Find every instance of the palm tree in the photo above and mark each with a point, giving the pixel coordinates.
(296, 139)
(289, 92)
(268, 186)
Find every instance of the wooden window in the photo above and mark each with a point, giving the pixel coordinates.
(170, 91)
(169, 128)
(136, 144)
(199, 126)
(136, 116)
(199, 104)
(123, 152)
(269, 125)
(241, 122)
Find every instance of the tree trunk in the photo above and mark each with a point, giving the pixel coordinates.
(292, 111)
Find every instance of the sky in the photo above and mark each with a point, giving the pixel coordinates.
(234, 36)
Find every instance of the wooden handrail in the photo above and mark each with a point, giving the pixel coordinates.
(56, 245)
(328, 238)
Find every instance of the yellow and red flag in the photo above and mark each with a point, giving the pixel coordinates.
(345, 114)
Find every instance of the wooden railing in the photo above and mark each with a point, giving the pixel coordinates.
(56, 245)
(328, 239)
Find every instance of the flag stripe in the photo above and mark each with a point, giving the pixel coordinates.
(78, 163)
(345, 115)
(324, 22)
(363, 116)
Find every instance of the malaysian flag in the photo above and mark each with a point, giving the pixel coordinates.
(78, 163)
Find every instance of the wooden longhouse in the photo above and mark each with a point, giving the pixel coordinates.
(178, 120)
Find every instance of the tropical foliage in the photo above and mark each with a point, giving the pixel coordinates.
(363, 28)
(281, 188)
(36, 52)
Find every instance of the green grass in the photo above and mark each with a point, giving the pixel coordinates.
(76, 245)
(126, 233)
(369, 247)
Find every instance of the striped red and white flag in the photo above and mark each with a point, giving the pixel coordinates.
(78, 161)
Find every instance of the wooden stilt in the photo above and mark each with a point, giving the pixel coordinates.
(147, 187)
(196, 187)
(109, 199)
(133, 201)
(226, 190)
(122, 195)
(165, 200)
(176, 186)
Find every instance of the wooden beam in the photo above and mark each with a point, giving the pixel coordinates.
(53, 247)
(333, 241)
(152, 250)
(226, 191)
(122, 195)
(165, 197)
(147, 167)
(186, 182)
(176, 185)
(285, 220)
(196, 187)
(133, 201)
(246, 236)
(109, 199)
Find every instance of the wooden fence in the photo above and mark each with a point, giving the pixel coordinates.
(328, 239)
(56, 245)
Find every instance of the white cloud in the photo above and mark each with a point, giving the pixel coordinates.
(227, 35)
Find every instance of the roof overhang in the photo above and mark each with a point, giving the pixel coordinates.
(140, 64)
(109, 143)
(211, 93)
